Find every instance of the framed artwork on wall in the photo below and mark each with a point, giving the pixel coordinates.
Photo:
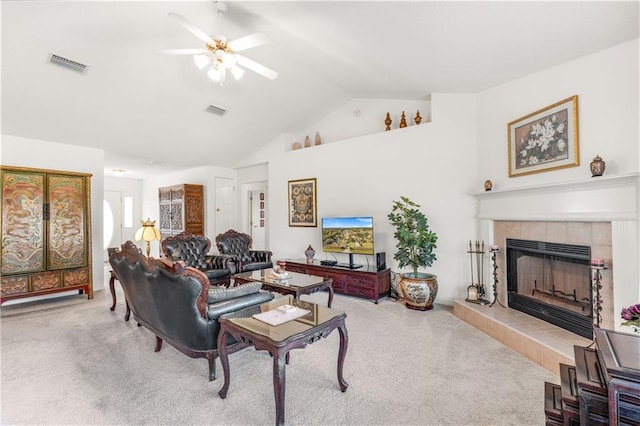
(302, 202)
(545, 140)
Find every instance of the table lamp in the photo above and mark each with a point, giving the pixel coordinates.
(148, 232)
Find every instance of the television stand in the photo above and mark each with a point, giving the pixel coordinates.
(348, 265)
(365, 282)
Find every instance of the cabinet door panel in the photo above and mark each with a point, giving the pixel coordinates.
(165, 216)
(176, 217)
(10, 285)
(46, 281)
(67, 227)
(22, 222)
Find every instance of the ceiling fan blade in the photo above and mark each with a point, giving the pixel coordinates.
(182, 51)
(248, 42)
(192, 28)
(256, 67)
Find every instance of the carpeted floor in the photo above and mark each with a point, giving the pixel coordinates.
(72, 361)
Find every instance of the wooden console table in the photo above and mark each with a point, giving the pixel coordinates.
(365, 282)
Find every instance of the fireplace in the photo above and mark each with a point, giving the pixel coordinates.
(551, 281)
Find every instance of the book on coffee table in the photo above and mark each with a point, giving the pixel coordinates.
(281, 315)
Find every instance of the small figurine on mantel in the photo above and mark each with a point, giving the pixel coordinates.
(317, 139)
(403, 120)
(307, 142)
(417, 118)
(387, 121)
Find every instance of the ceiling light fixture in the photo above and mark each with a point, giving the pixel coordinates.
(220, 55)
(118, 172)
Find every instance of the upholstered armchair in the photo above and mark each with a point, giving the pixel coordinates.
(238, 244)
(193, 251)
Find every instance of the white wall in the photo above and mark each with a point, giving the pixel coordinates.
(433, 164)
(23, 152)
(607, 87)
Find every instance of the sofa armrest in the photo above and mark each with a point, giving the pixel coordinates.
(215, 310)
(220, 261)
(260, 255)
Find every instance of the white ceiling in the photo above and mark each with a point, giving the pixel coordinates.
(143, 107)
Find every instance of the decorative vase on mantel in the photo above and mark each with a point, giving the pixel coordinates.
(309, 254)
(597, 166)
(307, 142)
(317, 139)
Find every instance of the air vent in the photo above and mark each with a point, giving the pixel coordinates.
(67, 63)
(215, 110)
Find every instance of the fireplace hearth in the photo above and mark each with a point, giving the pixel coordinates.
(551, 281)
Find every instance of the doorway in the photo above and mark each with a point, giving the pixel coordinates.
(225, 205)
(112, 214)
(258, 218)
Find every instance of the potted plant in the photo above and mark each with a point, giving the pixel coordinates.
(415, 243)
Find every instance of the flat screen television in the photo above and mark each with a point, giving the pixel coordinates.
(350, 235)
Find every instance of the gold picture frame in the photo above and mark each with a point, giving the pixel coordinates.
(302, 203)
(545, 140)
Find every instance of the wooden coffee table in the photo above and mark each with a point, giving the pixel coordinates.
(296, 285)
(279, 340)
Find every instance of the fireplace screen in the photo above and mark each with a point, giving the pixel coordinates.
(551, 281)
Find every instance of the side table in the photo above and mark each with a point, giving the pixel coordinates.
(279, 340)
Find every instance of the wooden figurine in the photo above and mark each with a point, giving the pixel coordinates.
(307, 142)
(318, 140)
(417, 118)
(387, 121)
(403, 120)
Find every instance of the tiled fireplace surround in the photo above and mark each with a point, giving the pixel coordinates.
(601, 213)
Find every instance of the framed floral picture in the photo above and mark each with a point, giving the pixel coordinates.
(302, 202)
(545, 140)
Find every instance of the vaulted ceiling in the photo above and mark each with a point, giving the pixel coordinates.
(143, 107)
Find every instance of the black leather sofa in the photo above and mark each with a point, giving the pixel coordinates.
(177, 304)
(193, 251)
(239, 244)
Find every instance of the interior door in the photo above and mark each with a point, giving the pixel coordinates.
(225, 205)
(112, 220)
(258, 218)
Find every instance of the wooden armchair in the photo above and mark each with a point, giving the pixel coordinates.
(238, 244)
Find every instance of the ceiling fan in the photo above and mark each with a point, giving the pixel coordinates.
(219, 55)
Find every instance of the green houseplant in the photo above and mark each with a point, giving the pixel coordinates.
(415, 248)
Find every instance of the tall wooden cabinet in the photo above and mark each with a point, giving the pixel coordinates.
(46, 232)
(181, 209)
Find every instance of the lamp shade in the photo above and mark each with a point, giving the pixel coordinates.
(148, 232)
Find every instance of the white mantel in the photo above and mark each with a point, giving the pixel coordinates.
(604, 198)
(611, 199)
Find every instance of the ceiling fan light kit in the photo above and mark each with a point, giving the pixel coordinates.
(219, 55)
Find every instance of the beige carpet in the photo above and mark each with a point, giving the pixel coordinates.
(72, 361)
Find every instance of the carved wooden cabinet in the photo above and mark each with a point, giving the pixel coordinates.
(46, 232)
(181, 209)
